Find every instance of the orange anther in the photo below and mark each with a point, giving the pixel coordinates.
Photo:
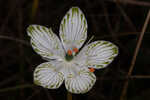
(91, 69)
(75, 50)
(69, 52)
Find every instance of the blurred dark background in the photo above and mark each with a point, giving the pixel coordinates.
(118, 21)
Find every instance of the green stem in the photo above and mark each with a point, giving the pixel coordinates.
(69, 96)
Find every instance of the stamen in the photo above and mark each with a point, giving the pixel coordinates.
(75, 50)
(69, 52)
(91, 69)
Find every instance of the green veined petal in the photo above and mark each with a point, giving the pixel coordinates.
(45, 42)
(47, 76)
(73, 28)
(80, 83)
(100, 54)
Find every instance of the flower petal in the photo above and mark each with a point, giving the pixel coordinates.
(73, 29)
(45, 42)
(100, 54)
(81, 82)
(81, 57)
(47, 75)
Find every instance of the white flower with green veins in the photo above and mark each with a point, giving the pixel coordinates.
(65, 61)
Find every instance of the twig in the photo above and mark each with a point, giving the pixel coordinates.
(12, 78)
(92, 17)
(102, 15)
(140, 76)
(48, 94)
(124, 78)
(108, 21)
(33, 94)
(15, 39)
(14, 4)
(20, 46)
(28, 44)
(134, 56)
(125, 16)
(111, 31)
(119, 35)
(34, 9)
(16, 87)
(132, 2)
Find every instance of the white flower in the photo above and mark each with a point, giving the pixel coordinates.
(66, 61)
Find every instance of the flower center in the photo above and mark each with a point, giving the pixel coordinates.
(71, 53)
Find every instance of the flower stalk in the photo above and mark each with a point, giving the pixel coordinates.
(69, 96)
